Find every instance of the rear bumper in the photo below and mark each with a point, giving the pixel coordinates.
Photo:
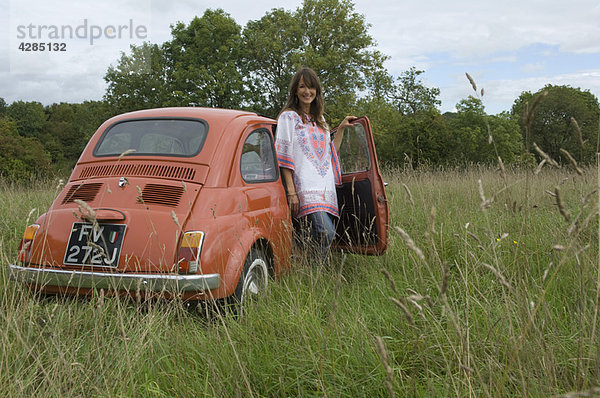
(105, 280)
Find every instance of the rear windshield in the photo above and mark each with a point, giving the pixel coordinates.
(166, 137)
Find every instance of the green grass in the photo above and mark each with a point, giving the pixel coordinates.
(521, 325)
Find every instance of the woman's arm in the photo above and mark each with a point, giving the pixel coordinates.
(339, 135)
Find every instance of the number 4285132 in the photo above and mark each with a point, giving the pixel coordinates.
(24, 46)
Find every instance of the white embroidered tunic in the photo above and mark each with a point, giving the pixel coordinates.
(307, 150)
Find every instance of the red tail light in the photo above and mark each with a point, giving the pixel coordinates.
(189, 252)
(26, 242)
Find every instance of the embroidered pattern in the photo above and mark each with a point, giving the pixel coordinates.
(283, 150)
(313, 144)
(312, 201)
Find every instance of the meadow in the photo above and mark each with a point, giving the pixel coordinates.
(490, 288)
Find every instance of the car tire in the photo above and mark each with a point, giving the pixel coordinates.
(253, 281)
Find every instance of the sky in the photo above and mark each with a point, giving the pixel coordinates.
(507, 47)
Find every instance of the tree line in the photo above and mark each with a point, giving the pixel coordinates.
(213, 61)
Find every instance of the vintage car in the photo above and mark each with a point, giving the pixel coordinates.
(188, 202)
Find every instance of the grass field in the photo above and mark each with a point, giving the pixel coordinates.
(489, 288)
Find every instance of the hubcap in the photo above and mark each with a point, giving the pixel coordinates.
(255, 280)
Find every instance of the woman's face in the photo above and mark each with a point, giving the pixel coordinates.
(305, 94)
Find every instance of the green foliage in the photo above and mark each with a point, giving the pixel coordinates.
(412, 96)
(49, 139)
(552, 126)
(21, 158)
(272, 50)
(30, 117)
(68, 129)
(3, 106)
(408, 128)
(481, 138)
(203, 60)
(211, 62)
(139, 80)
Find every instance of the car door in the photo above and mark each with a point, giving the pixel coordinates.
(364, 214)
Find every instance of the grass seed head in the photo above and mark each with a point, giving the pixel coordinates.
(89, 213)
(578, 131)
(544, 155)
(410, 243)
(539, 167)
(561, 207)
(405, 310)
(472, 82)
(410, 197)
(528, 116)
(572, 161)
(390, 280)
(127, 152)
(498, 275)
(175, 219)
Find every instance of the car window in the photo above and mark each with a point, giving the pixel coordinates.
(258, 158)
(168, 137)
(354, 150)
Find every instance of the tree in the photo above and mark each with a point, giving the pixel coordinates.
(552, 126)
(272, 50)
(204, 61)
(89, 115)
(409, 140)
(139, 81)
(338, 47)
(409, 128)
(21, 158)
(481, 138)
(210, 63)
(63, 135)
(411, 95)
(30, 117)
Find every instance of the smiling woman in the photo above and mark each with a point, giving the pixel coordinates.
(309, 161)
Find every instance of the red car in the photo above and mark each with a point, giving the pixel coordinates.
(190, 202)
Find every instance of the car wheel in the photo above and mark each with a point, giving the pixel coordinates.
(253, 280)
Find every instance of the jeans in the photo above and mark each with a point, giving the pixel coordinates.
(322, 232)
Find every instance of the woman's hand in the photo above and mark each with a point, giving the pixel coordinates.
(347, 122)
(292, 196)
(293, 202)
(339, 134)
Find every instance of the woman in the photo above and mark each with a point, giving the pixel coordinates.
(308, 158)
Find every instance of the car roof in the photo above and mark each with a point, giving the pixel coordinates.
(225, 128)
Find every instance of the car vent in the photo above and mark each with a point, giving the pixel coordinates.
(157, 194)
(145, 170)
(85, 192)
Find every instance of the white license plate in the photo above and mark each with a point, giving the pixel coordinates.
(95, 246)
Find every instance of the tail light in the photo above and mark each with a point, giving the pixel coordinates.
(189, 252)
(26, 242)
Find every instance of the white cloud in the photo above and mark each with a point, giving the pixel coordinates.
(534, 67)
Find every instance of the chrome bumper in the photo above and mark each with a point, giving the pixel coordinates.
(114, 281)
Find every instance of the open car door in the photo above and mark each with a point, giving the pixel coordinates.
(364, 214)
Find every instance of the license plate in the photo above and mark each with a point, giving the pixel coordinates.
(99, 246)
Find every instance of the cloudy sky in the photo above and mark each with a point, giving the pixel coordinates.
(506, 46)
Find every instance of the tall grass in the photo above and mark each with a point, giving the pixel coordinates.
(487, 289)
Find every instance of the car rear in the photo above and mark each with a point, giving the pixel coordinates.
(119, 221)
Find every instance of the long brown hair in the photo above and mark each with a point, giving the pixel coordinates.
(311, 80)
